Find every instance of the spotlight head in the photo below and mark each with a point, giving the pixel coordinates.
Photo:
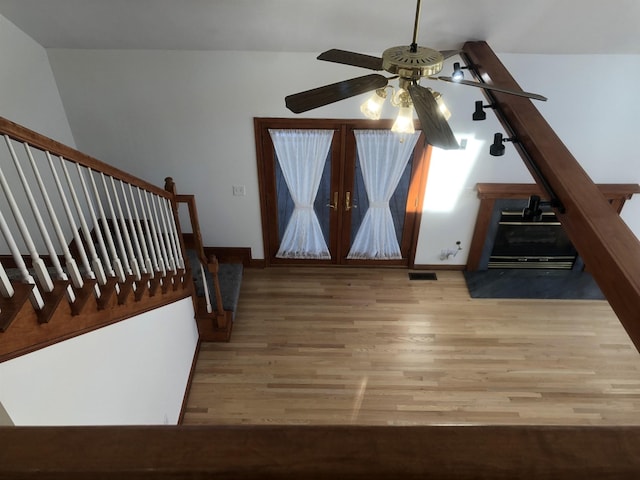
(532, 212)
(497, 147)
(479, 113)
(457, 74)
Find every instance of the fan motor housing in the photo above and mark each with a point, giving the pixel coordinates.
(401, 61)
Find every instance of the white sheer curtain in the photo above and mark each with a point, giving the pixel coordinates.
(302, 155)
(383, 158)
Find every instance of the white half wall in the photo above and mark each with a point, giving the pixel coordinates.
(130, 373)
(189, 115)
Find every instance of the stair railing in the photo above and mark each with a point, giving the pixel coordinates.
(77, 228)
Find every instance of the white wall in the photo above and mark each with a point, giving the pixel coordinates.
(132, 372)
(593, 102)
(189, 115)
(28, 94)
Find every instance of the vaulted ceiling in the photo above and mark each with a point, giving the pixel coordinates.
(370, 26)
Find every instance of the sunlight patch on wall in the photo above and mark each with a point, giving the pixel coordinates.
(448, 174)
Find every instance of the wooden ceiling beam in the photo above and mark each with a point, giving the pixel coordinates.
(608, 247)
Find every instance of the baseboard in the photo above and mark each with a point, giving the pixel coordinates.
(230, 254)
(439, 267)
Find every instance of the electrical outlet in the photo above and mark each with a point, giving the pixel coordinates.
(239, 191)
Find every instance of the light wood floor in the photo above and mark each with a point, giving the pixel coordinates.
(369, 346)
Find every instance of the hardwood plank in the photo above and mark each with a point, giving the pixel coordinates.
(362, 346)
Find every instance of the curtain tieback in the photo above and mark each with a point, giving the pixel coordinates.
(378, 204)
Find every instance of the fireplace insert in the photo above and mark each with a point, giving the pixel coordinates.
(527, 243)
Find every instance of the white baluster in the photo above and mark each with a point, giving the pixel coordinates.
(205, 285)
(44, 232)
(96, 226)
(124, 260)
(117, 264)
(143, 239)
(130, 256)
(72, 223)
(98, 269)
(140, 262)
(35, 297)
(6, 289)
(70, 262)
(38, 264)
(154, 235)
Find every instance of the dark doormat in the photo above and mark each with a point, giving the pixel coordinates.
(514, 283)
(422, 276)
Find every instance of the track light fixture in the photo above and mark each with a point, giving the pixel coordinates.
(479, 113)
(458, 74)
(532, 212)
(497, 148)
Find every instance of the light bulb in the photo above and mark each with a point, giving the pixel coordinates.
(442, 106)
(457, 74)
(372, 108)
(404, 121)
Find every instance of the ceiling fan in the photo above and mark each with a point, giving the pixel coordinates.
(408, 64)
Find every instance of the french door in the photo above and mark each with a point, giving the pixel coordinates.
(339, 191)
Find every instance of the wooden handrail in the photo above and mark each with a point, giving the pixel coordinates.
(23, 134)
(116, 283)
(320, 452)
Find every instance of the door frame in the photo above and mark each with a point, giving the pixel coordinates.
(342, 148)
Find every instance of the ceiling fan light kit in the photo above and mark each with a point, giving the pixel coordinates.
(372, 107)
(408, 64)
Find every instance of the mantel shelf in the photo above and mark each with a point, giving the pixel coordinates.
(615, 193)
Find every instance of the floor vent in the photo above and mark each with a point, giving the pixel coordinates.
(422, 276)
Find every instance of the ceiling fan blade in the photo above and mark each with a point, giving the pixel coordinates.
(449, 53)
(436, 129)
(486, 86)
(318, 97)
(351, 58)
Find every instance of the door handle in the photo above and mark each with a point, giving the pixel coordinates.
(347, 202)
(333, 205)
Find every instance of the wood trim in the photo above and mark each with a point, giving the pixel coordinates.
(608, 247)
(488, 193)
(438, 266)
(343, 154)
(320, 452)
(231, 254)
(611, 191)
(419, 189)
(187, 390)
(23, 134)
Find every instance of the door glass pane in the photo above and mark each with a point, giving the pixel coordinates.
(286, 205)
(397, 204)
